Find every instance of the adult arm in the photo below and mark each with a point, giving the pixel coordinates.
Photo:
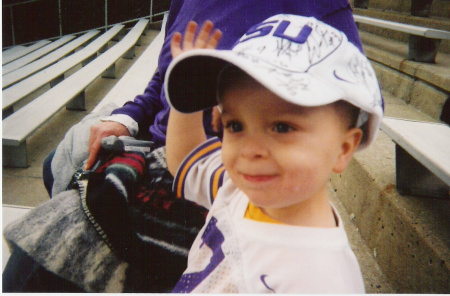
(137, 115)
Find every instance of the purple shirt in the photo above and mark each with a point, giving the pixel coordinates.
(233, 17)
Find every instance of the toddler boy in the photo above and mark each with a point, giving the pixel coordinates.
(297, 99)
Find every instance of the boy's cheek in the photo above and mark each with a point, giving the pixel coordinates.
(225, 154)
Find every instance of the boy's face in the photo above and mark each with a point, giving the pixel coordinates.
(279, 154)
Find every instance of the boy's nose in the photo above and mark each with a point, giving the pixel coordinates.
(253, 147)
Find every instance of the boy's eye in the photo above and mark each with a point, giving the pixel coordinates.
(281, 127)
(234, 126)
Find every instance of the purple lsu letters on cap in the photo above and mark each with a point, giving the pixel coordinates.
(300, 59)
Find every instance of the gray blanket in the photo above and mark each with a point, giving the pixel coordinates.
(58, 235)
(73, 151)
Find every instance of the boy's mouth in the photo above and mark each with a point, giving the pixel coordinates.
(259, 178)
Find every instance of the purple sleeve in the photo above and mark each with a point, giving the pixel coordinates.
(144, 107)
(342, 19)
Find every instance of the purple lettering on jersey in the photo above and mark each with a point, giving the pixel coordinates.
(301, 37)
(213, 238)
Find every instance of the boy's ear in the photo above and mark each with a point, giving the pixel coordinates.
(351, 141)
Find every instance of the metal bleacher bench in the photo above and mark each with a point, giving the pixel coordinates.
(423, 42)
(55, 73)
(51, 58)
(16, 64)
(70, 93)
(138, 76)
(19, 51)
(422, 156)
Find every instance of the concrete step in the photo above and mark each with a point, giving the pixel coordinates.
(408, 236)
(393, 54)
(424, 86)
(439, 8)
(406, 18)
(375, 280)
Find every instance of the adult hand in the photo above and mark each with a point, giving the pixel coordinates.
(100, 131)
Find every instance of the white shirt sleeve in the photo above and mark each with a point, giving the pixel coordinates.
(126, 120)
(201, 174)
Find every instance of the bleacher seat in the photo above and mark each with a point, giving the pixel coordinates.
(19, 51)
(36, 54)
(422, 156)
(70, 92)
(51, 58)
(55, 73)
(138, 76)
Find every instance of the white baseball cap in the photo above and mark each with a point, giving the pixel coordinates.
(300, 59)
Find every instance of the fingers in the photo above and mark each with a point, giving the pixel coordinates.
(93, 152)
(175, 45)
(98, 132)
(189, 36)
(94, 146)
(206, 38)
(203, 35)
(179, 44)
(214, 40)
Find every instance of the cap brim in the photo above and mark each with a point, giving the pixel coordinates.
(191, 81)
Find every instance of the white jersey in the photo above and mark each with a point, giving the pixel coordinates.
(235, 254)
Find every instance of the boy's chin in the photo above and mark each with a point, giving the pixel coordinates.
(269, 201)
